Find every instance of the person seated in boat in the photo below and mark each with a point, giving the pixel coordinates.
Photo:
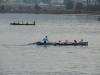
(18, 22)
(34, 22)
(59, 42)
(75, 42)
(66, 42)
(45, 39)
(26, 22)
(14, 22)
(81, 41)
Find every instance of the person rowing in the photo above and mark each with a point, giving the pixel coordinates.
(59, 42)
(14, 22)
(81, 41)
(45, 39)
(75, 42)
(66, 42)
(34, 22)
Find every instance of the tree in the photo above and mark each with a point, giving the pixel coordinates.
(28, 1)
(2, 7)
(79, 6)
(97, 1)
(37, 7)
(46, 1)
(20, 7)
(70, 5)
(88, 2)
(65, 2)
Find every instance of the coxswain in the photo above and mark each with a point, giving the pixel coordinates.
(45, 39)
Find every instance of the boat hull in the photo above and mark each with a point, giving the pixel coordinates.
(61, 44)
(20, 24)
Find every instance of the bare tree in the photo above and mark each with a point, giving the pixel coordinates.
(88, 2)
(79, 6)
(2, 7)
(97, 1)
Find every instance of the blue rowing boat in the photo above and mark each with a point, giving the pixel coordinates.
(60, 44)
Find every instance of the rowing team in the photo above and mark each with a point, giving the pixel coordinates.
(26, 22)
(46, 39)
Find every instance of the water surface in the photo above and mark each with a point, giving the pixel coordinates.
(18, 58)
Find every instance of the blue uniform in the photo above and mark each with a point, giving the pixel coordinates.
(45, 39)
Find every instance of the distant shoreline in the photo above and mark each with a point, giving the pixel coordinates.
(50, 11)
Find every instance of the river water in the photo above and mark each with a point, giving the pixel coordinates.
(18, 58)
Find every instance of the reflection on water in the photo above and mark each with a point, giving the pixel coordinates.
(18, 58)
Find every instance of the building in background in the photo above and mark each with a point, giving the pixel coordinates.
(13, 0)
(57, 1)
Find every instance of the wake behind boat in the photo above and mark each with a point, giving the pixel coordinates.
(60, 44)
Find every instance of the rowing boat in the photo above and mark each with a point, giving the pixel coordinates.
(61, 44)
(21, 24)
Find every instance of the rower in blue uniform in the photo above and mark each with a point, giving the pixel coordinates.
(45, 39)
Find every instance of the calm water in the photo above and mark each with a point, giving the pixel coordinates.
(17, 58)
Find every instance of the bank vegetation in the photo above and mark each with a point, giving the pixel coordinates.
(69, 8)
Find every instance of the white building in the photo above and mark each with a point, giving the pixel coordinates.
(42, 4)
(57, 1)
(9, 0)
(13, 0)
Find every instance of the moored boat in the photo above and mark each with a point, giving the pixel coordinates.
(61, 44)
(21, 24)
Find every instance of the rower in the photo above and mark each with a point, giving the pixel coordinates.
(45, 39)
(66, 42)
(18, 22)
(59, 42)
(34, 23)
(14, 21)
(81, 41)
(26, 22)
(75, 41)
